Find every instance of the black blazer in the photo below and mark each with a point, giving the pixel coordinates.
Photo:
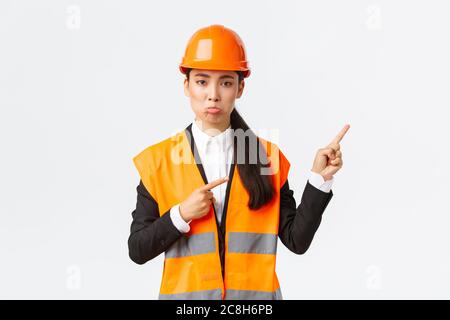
(152, 234)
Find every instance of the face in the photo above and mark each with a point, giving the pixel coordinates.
(212, 94)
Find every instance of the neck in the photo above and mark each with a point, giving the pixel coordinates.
(212, 129)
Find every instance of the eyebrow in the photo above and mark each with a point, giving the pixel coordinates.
(208, 76)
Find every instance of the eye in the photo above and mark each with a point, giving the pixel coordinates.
(228, 84)
(201, 82)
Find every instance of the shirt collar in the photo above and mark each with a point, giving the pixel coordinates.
(202, 139)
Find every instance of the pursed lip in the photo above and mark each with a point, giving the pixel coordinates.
(213, 109)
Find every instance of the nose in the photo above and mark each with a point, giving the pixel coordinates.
(213, 94)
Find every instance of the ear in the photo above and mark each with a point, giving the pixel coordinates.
(241, 89)
(186, 88)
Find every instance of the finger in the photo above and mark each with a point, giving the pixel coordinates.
(329, 152)
(333, 154)
(335, 146)
(338, 154)
(336, 161)
(214, 184)
(341, 134)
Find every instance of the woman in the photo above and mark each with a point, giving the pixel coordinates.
(215, 197)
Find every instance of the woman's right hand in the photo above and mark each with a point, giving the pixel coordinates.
(198, 203)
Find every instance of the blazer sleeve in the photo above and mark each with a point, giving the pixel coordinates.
(299, 224)
(150, 233)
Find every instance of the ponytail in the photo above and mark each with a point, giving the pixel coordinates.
(259, 187)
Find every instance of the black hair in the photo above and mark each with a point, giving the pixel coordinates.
(259, 187)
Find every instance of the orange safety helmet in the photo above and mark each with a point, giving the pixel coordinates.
(215, 48)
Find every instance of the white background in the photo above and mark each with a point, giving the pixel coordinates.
(86, 85)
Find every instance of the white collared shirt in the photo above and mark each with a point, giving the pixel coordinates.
(216, 151)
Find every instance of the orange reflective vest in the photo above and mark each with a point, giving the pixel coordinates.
(192, 267)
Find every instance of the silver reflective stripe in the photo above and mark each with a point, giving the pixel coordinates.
(194, 295)
(246, 242)
(192, 245)
(253, 295)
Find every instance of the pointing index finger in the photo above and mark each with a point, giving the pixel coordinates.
(215, 183)
(341, 134)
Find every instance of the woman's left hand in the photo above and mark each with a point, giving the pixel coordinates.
(328, 160)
